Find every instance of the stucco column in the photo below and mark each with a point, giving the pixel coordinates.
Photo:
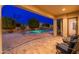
(55, 27)
(78, 25)
(0, 32)
(65, 26)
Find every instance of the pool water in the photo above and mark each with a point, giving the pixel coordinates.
(39, 31)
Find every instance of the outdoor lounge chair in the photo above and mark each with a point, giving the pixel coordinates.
(62, 48)
(66, 48)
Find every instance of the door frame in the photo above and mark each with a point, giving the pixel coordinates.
(76, 25)
(61, 25)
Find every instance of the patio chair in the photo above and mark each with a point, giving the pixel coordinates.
(66, 48)
(66, 40)
(76, 48)
(62, 48)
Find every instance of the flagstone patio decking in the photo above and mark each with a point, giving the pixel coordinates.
(31, 44)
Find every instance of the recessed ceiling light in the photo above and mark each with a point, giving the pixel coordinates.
(63, 9)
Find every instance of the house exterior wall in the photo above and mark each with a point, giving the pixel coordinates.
(65, 22)
(78, 24)
(0, 32)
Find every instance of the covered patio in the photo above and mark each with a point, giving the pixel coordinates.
(47, 43)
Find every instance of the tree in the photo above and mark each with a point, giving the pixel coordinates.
(33, 23)
(46, 25)
(8, 23)
(22, 27)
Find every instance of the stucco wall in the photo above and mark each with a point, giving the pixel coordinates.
(78, 24)
(55, 28)
(0, 33)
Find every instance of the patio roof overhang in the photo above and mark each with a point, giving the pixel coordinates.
(37, 10)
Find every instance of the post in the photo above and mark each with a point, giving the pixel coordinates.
(55, 27)
(78, 25)
(65, 26)
(0, 31)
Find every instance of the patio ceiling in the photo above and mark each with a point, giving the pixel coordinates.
(52, 10)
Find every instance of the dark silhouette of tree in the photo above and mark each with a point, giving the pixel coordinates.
(8, 23)
(46, 25)
(33, 23)
(18, 24)
(22, 27)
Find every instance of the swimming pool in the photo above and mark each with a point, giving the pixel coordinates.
(38, 31)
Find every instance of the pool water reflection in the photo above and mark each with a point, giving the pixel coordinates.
(38, 31)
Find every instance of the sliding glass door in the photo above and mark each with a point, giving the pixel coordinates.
(59, 26)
